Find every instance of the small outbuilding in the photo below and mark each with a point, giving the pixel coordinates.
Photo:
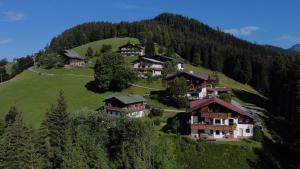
(73, 59)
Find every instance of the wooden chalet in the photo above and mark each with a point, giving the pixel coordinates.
(196, 83)
(73, 59)
(213, 118)
(130, 106)
(152, 64)
(131, 50)
(215, 91)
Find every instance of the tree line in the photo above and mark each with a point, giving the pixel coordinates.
(18, 66)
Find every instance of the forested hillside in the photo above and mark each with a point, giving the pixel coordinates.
(273, 73)
(201, 45)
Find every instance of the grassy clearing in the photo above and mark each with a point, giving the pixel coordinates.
(33, 93)
(97, 45)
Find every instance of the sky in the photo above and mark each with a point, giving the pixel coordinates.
(27, 26)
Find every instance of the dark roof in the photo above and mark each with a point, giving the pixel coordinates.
(160, 58)
(130, 45)
(205, 77)
(72, 54)
(194, 105)
(148, 59)
(219, 89)
(127, 99)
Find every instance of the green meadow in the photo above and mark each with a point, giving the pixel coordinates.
(97, 45)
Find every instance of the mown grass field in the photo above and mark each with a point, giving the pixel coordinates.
(33, 93)
(97, 45)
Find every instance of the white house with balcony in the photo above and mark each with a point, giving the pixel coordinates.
(153, 65)
(213, 118)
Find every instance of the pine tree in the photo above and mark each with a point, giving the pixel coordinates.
(11, 115)
(149, 48)
(18, 147)
(89, 52)
(74, 159)
(52, 135)
(3, 74)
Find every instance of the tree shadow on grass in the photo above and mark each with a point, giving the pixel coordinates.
(163, 97)
(93, 87)
(251, 98)
(178, 124)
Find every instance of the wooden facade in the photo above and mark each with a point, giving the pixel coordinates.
(73, 59)
(219, 119)
(132, 106)
(194, 82)
(131, 50)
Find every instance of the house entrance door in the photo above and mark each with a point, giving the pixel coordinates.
(241, 132)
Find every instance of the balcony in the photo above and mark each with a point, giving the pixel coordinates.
(124, 110)
(148, 69)
(213, 127)
(216, 115)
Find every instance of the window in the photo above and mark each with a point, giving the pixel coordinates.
(231, 121)
(217, 121)
(247, 130)
(217, 132)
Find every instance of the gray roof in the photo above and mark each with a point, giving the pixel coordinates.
(152, 60)
(203, 76)
(72, 54)
(127, 99)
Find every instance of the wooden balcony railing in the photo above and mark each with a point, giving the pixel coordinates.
(124, 110)
(148, 69)
(213, 127)
(216, 115)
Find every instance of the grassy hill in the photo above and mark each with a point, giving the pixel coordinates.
(97, 45)
(33, 93)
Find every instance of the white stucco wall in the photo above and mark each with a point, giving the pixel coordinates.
(137, 114)
(241, 130)
(180, 66)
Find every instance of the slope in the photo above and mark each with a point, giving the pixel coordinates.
(97, 45)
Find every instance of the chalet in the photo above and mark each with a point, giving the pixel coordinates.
(215, 91)
(130, 106)
(73, 59)
(152, 64)
(197, 84)
(131, 50)
(214, 118)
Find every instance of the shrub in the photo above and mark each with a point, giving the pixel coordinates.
(258, 134)
(157, 112)
(157, 121)
(226, 97)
